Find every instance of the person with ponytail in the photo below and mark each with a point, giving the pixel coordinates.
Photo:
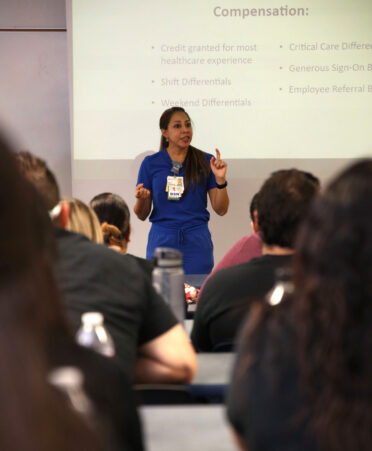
(39, 411)
(173, 185)
(113, 214)
(303, 375)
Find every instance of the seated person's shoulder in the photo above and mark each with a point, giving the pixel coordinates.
(74, 246)
(230, 277)
(146, 265)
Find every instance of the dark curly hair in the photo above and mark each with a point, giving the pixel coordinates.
(333, 310)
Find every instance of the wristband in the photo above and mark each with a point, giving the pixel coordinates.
(221, 186)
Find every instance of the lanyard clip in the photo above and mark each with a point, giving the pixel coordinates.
(176, 166)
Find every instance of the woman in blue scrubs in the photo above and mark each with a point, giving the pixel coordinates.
(173, 185)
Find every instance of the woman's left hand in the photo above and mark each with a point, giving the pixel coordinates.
(218, 168)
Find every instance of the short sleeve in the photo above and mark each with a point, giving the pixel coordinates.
(157, 316)
(144, 175)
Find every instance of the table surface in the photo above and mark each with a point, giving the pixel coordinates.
(196, 280)
(186, 428)
(188, 323)
(214, 368)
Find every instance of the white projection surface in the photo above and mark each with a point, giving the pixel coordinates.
(260, 78)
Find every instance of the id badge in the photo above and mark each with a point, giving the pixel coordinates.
(175, 187)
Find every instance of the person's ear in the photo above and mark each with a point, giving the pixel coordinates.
(164, 133)
(64, 215)
(127, 237)
(255, 226)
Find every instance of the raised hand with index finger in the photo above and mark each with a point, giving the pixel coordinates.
(219, 168)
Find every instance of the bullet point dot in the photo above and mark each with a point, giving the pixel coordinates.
(280, 47)
(280, 68)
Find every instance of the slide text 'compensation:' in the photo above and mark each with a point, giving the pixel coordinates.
(243, 13)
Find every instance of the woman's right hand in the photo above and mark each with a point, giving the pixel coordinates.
(141, 192)
(142, 206)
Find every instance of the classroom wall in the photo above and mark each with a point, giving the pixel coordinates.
(34, 82)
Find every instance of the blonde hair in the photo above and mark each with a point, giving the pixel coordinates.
(82, 219)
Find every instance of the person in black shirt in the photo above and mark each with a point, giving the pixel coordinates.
(114, 216)
(35, 341)
(303, 376)
(151, 346)
(282, 203)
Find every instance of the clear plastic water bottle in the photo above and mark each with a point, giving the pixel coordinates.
(168, 279)
(92, 334)
(283, 287)
(69, 380)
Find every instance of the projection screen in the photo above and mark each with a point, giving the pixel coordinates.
(271, 84)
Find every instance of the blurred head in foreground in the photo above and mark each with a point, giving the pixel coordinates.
(307, 360)
(35, 417)
(333, 275)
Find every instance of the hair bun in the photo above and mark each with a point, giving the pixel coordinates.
(112, 234)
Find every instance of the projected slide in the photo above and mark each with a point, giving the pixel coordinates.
(260, 79)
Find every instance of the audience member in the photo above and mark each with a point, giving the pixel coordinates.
(113, 214)
(82, 219)
(303, 377)
(34, 340)
(248, 247)
(282, 203)
(150, 345)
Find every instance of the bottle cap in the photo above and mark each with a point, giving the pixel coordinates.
(283, 286)
(167, 257)
(66, 376)
(69, 380)
(92, 318)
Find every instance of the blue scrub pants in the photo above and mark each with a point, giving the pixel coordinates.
(195, 243)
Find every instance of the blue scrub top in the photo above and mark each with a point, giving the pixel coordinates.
(190, 210)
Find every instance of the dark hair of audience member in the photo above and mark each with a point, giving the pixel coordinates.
(311, 177)
(37, 171)
(282, 203)
(334, 310)
(253, 206)
(196, 164)
(328, 318)
(114, 216)
(34, 418)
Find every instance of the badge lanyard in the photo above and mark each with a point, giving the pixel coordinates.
(175, 186)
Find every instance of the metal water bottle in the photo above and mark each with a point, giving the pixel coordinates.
(168, 279)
